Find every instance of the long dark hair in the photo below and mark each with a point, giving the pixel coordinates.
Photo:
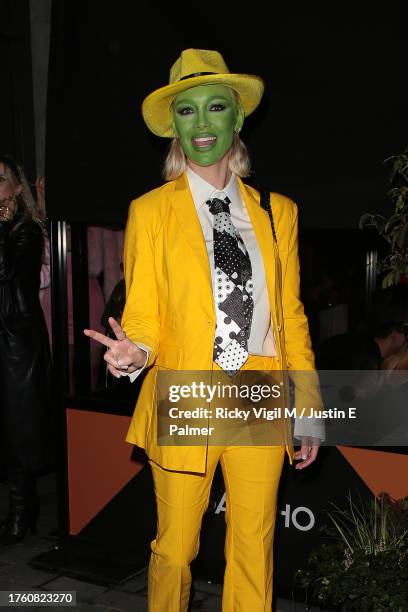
(24, 211)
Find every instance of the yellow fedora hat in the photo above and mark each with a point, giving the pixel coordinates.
(197, 67)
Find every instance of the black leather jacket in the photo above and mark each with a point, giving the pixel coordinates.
(24, 349)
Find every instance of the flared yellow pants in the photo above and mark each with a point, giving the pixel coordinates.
(251, 476)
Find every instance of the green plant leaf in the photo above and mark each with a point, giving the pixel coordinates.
(402, 240)
(393, 229)
(388, 280)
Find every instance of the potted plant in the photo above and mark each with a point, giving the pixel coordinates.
(393, 229)
(364, 564)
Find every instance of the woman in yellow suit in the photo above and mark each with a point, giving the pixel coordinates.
(208, 289)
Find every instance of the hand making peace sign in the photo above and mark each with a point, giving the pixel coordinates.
(122, 356)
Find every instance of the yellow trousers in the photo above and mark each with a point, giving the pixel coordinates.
(251, 476)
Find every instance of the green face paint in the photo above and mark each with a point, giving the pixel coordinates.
(205, 118)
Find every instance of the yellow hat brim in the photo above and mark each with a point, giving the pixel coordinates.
(156, 107)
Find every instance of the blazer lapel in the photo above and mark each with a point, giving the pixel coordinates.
(187, 217)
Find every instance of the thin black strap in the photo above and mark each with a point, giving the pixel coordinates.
(266, 205)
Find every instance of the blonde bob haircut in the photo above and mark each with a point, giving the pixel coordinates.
(176, 162)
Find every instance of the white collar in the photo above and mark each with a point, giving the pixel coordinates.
(202, 191)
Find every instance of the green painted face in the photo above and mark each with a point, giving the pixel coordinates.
(205, 118)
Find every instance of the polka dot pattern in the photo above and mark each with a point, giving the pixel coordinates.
(233, 357)
(232, 290)
(223, 286)
(233, 307)
(223, 223)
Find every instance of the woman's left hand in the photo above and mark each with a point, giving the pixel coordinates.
(308, 452)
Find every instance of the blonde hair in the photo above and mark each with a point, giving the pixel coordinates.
(27, 209)
(176, 162)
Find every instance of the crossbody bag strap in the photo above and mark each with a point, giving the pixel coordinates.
(266, 205)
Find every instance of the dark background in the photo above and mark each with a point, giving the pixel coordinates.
(334, 108)
(16, 95)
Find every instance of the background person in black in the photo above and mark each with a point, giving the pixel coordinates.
(24, 353)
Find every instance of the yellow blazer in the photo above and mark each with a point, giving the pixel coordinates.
(170, 306)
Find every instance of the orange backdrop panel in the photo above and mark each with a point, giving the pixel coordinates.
(381, 471)
(99, 463)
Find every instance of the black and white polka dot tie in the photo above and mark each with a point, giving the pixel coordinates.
(232, 290)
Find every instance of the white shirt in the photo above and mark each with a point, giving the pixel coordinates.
(261, 340)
